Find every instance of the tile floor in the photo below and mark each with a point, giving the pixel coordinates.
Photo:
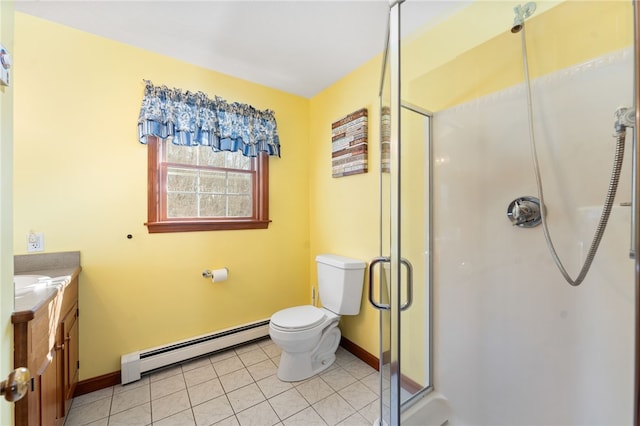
(236, 387)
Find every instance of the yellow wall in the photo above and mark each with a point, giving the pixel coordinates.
(570, 33)
(470, 54)
(344, 211)
(81, 179)
(80, 175)
(6, 214)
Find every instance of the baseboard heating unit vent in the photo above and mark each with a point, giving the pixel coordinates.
(134, 364)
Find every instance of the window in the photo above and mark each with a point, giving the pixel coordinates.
(193, 188)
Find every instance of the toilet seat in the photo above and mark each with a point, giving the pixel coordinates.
(298, 318)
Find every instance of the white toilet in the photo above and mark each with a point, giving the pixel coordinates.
(309, 336)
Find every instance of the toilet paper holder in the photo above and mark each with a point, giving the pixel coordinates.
(208, 273)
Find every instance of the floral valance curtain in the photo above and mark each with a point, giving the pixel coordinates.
(188, 118)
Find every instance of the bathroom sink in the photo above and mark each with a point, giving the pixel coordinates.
(25, 283)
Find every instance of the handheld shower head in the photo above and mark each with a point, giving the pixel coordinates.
(522, 12)
(517, 26)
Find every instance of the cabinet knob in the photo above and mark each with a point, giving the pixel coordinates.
(60, 347)
(16, 385)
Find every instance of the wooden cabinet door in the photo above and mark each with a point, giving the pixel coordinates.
(48, 379)
(71, 351)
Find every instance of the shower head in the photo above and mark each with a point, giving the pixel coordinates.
(517, 25)
(522, 12)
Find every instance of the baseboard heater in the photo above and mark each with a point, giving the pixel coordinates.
(134, 364)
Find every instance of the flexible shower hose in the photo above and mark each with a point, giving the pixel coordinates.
(611, 192)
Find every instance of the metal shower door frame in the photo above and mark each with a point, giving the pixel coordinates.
(397, 263)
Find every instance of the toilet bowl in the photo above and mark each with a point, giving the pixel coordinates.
(309, 336)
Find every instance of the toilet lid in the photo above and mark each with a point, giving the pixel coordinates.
(298, 318)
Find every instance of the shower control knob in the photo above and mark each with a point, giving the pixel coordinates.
(524, 212)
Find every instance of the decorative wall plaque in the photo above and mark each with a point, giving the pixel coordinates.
(385, 140)
(349, 144)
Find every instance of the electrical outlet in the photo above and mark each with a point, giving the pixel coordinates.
(35, 241)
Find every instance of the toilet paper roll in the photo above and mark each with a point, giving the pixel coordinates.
(218, 275)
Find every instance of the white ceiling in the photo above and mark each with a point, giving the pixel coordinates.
(300, 47)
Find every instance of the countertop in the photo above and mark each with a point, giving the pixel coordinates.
(62, 267)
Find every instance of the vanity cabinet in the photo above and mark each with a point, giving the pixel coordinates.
(70, 360)
(46, 342)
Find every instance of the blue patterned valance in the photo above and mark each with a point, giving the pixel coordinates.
(188, 118)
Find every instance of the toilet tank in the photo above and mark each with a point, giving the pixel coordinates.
(340, 283)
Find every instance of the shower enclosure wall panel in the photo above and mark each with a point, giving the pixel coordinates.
(514, 344)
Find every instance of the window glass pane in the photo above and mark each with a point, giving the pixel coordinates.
(181, 205)
(182, 180)
(209, 185)
(211, 181)
(239, 183)
(211, 158)
(181, 154)
(212, 205)
(239, 205)
(235, 160)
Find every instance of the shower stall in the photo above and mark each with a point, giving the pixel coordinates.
(478, 324)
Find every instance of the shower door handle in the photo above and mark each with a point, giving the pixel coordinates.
(409, 267)
(384, 306)
(372, 264)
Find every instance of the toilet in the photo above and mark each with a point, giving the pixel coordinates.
(309, 336)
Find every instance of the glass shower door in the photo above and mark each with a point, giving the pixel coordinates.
(404, 265)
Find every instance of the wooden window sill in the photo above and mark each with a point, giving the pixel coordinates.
(184, 226)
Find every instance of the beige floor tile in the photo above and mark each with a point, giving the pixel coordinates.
(314, 390)
(253, 357)
(212, 411)
(355, 420)
(307, 417)
(333, 409)
(167, 386)
(199, 375)
(359, 369)
(344, 357)
(123, 401)
(89, 412)
(272, 350)
(165, 372)
(228, 365)
(222, 355)
(101, 422)
(358, 395)
(136, 416)
(144, 381)
(262, 369)
(169, 405)
(371, 411)
(259, 415)
(246, 348)
(288, 403)
(194, 394)
(245, 397)
(372, 382)
(183, 418)
(92, 397)
(235, 380)
(276, 359)
(271, 386)
(338, 378)
(229, 421)
(205, 391)
(195, 363)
